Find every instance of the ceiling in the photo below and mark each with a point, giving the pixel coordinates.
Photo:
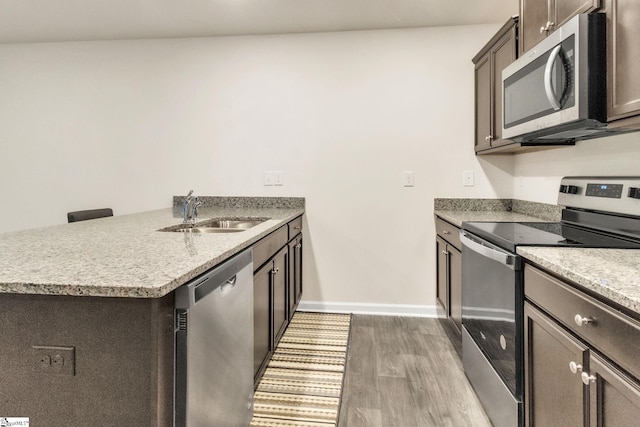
(24, 21)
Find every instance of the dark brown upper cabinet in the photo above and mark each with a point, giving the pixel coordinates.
(623, 63)
(539, 18)
(499, 52)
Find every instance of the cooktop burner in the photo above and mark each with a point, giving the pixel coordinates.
(508, 235)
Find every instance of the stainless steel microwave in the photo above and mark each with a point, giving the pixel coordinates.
(557, 91)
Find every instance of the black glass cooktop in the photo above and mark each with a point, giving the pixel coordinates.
(508, 235)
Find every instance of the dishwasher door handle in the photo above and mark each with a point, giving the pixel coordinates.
(505, 258)
(223, 276)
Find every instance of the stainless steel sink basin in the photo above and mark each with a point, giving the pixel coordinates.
(231, 224)
(224, 225)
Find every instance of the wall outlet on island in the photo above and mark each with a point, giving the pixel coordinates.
(467, 178)
(54, 359)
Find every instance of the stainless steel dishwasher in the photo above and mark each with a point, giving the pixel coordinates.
(214, 347)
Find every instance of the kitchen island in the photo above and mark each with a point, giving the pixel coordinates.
(87, 311)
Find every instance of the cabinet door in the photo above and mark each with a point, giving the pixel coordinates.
(279, 284)
(297, 258)
(291, 278)
(503, 54)
(563, 10)
(534, 15)
(554, 394)
(455, 285)
(442, 267)
(483, 103)
(614, 397)
(623, 58)
(262, 344)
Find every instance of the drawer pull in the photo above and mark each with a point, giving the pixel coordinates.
(587, 379)
(297, 227)
(574, 367)
(445, 252)
(446, 232)
(581, 321)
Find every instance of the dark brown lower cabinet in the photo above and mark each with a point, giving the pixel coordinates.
(581, 361)
(614, 397)
(455, 285)
(554, 394)
(442, 266)
(294, 263)
(449, 280)
(279, 286)
(262, 343)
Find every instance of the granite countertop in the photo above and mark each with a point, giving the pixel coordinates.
(457, 211)
(125, 256)
(458, 217)
(611, 273)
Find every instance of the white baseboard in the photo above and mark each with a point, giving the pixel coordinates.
(365, 308)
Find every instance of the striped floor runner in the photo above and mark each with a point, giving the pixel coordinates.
(302, 384)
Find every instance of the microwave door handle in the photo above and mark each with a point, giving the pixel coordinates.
(548, 84)
(503, 258)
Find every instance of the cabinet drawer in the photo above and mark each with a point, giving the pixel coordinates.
(448, 232)
(295, 227)
(609, 331)
(268, 246)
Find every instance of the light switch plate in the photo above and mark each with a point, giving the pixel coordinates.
(467, 178)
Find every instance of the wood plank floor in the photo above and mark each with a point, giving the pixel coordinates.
(404, 372)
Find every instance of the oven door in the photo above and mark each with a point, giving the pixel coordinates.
(492, 316)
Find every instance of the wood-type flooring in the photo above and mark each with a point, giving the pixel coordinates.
(404, 372)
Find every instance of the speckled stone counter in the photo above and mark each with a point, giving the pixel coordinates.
(458, 217)
(456, 211)
(125, 256)
(611, 273)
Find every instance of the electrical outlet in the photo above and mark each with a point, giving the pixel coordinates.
(54, 359)
(467, 178)
(278, 178)
(408, 178)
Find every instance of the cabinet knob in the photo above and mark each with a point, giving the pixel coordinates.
(587, 379)
(445, 252)
(446, 232)
(581, 321)
(574, 367)
(275, 270)
(299, 245)
(548, 27)
(488, 137)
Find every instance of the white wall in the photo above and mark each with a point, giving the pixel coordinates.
(128, 124)
(537, 175)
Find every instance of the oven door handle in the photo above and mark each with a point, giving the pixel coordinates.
(505, 258)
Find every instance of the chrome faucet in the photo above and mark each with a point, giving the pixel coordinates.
(190, 209)
(186, 208)
(194, 210)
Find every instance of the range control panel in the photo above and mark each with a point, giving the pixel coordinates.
(609, 194)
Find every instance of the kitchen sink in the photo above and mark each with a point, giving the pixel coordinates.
(221, 225)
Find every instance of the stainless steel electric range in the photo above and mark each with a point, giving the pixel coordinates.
(599, 212)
